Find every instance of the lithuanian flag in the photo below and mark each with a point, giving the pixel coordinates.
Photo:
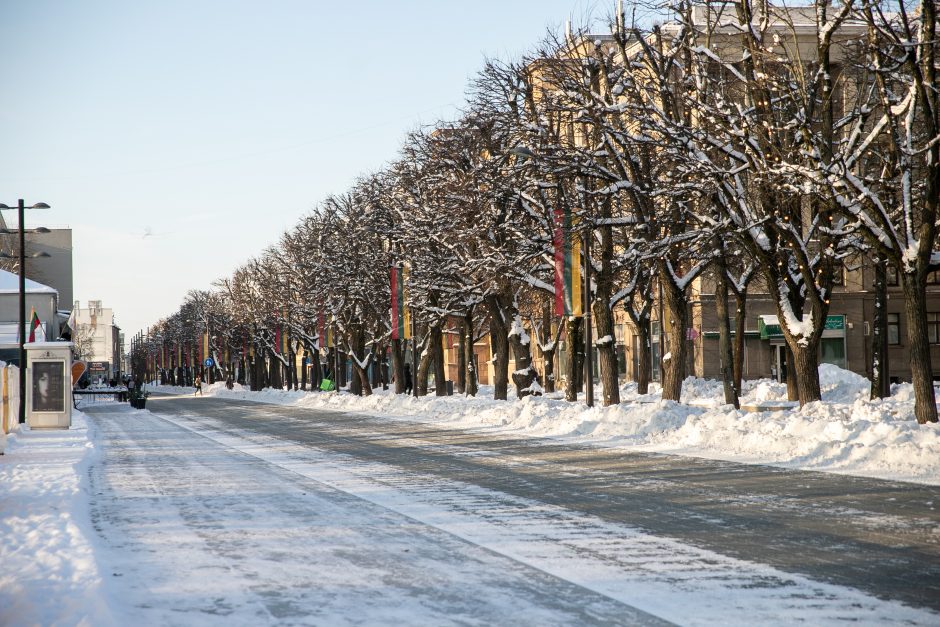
(33, 325)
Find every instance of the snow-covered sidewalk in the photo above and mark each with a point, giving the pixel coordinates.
(845, 433)
(48, 571)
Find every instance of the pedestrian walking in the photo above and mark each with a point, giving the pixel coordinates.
(198, 384)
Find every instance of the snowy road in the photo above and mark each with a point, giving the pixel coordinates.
(272, 513)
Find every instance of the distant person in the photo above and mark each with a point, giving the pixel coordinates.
(230, 382)
(407, 378)
(198, 384)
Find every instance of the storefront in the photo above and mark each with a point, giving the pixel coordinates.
(831, 345)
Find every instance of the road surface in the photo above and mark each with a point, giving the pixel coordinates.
(524, 529)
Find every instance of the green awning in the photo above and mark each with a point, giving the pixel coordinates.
(769, 327)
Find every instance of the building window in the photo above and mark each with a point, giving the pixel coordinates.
(894, 329)
(838, 274)
(891, 273)
(933, 328)
(833, 351)
(933, 278)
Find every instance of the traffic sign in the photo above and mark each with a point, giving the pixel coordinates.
(209, 363)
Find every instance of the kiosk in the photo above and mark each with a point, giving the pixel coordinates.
(49, 385)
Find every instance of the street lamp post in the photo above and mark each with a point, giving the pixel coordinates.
(21, 207)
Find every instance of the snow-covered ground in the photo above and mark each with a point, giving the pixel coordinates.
(54, 569)
(845, 433)
(48, 571)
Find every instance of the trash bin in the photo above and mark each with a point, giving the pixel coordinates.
(450, 388)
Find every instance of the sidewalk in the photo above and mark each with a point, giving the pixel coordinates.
(48, 573)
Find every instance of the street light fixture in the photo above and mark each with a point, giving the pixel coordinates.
(21, 207)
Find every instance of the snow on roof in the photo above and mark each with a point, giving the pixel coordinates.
(10, 284)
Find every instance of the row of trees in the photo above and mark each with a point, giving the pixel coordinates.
(746, 145)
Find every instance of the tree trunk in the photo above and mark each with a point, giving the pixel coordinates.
(384, 372)
(360, 384)
(375, 368)
(330, 367)
(806, 372)
(880, 382)
(574, 344)
(360, 380)
(525, 375)
(915, 300)
(740, 302)
(355, 384)
(398, 367)
(603, 316)
(293, 369)
(725, 352)
(461, 384)
(548, 343)
(675, 307)
(606, 349)
(499, 343)
(644, 355)
(793, 389)
(316, 372)
(421, 375)
(469, 354)
(274, 376)
(436, 350)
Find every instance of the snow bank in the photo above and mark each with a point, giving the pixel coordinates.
(844, 433)
(49, 575)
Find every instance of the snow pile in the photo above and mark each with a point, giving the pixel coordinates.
(49, 574)
(844, 433)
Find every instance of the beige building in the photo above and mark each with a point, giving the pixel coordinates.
(847, 338)
(98, 340)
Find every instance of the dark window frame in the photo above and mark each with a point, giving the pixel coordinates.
(896, 323)
(933, 327)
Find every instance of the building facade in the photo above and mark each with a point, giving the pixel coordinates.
(97, 340)
(41, 298)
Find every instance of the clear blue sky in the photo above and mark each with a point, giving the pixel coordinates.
(179, 138)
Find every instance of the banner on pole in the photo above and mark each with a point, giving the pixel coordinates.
(401, 327)
(567, 265)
